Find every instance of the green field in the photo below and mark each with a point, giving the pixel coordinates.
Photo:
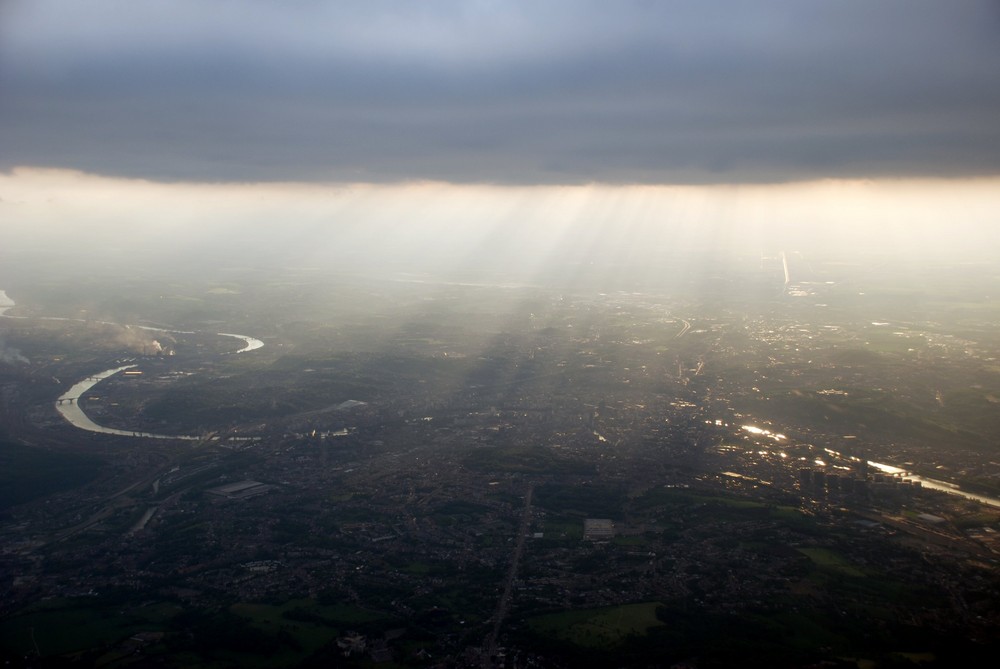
(65, 626)
(827, 559)
(304, 609)
(602, 628)
(246, 634)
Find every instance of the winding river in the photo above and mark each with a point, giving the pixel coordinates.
(5, 302)
(68, 405)
(932, 484)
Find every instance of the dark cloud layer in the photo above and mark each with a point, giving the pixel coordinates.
(512, 92)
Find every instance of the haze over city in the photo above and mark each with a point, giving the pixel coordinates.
(499, 334)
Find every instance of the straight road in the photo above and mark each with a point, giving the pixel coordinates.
(490, 647)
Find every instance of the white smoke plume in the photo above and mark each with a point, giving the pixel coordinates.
(10, 355)
(141, 341)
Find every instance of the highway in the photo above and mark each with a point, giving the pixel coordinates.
(490, 647)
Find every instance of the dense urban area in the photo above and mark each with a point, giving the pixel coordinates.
(778, 465)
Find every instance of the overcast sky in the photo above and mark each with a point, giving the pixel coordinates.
(508, 92)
